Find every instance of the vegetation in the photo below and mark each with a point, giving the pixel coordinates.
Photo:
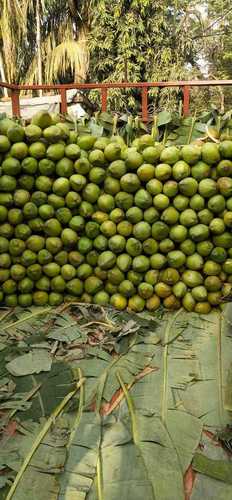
(40, 40)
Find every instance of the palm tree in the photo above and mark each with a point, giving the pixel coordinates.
(44, 41)
(12, 30)
(34, 10)
(58, 42)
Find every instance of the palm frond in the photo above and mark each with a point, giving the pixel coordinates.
(69, 55)
(13, 26)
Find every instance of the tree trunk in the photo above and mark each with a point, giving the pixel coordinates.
(38, 43)
(2, 74)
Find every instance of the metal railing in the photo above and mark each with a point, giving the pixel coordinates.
(104, 87)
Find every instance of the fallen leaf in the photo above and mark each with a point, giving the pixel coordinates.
(34, 362)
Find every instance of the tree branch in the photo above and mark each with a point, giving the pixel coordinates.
(212, 34)
(219, 18)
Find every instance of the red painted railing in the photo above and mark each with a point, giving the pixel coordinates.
(104, 87)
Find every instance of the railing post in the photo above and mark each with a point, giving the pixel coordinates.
(15, 103)
(144, 104)
(63, 105)
(104, 99)
(186, 100)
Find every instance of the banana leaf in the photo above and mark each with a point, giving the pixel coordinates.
(7, 388)
(172, 404)
(65, 329)
(17, 447)
(150, 468)
(134, 471)
(39, 480)
(163, 118)
(191, 371)
(206, 487)
(210, 479)
(21, 321)
(218, 469)
(36, 361)
(37, 486)
(81, 464)
(161, 398)
(138, 355)
(53, 387)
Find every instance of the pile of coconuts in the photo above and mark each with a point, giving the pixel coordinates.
(89, 219)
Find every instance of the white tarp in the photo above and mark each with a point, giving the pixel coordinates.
(30, 106)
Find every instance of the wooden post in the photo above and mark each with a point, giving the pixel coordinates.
(186, 100)
(104, 99)
(15, 102)
(63, 106)
(145, 104)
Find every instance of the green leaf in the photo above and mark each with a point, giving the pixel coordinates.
(204, 397)
(35, 361)
(185, 432)
(138, 453)
(36, 485)
(7, 387)
(37, 450)
(130, 471)
(213, 468)
(48, 457)
(178, 324)
(182, 139)
(65, 329)
(18, 404)
(200, 127)
(172, 136)
(135, 471)
(142, 126)
(212, 487)
(163, 118)
(107, 127)
(96, 129)
(135, 358)
(4, 481)
(81, 464)
(28, 319)
(228, 390)
(54, 386)
(92, 367)
(206, 487)
(205, 116)
(182, 130)
(187, 121)
(106, 117)
(129, 366)
(192, 370)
